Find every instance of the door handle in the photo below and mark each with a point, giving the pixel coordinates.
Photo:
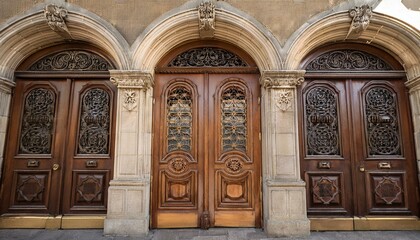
(55, 167)
(362, 168)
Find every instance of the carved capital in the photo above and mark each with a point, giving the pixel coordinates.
(360, 21)
(282, 79)
(131, 79)
(206, 19)
(56, 19)
(6, 85)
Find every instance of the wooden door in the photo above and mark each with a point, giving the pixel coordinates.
(358, 150)
(206, 151)
(59, 155)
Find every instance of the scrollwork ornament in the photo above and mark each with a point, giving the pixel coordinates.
(206, 19)
(284, 99)
(131, 79)
(282, 79)
(234, 165)
(130, 99)
(360, 21)
(56, 16)
(178, 165)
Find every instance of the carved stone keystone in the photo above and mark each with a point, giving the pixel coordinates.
(56, 16)
(361, 19)
(206, 19)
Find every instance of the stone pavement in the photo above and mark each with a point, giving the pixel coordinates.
(197, 234)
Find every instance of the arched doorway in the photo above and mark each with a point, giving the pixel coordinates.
(60, 149)
(206, 145)
(357, 153)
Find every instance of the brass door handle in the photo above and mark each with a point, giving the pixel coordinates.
(55, 167)
(362, 168)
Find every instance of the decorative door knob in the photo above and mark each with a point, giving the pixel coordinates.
(55, 166)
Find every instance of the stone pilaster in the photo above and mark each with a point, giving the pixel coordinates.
(284, 191)
(5, 98)
(129, 191)
(414, 86)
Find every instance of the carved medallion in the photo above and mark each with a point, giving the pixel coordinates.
(347, 60)
(71, 61)
(284, 99)
(178, 165)
(388, 190)
(234, 165)
(89, 188)
(207, 57)
(30, 188)
(130, 99)
(325, 190)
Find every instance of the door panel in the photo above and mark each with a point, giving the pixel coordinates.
(378, 172)
(326, 161)
(60, 161)
(206, 151)
(178, 151)
(234, 153)
(32, 179)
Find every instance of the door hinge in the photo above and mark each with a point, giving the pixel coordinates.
(153, 101)
(259, 136)
(259, 100)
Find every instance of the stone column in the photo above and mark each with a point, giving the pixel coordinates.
(414, 86)
(283, 189)
(129, 191)
(5, 97)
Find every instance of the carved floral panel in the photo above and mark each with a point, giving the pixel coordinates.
(94, 122)
(382, 125)
(37, 122)
(321, 122)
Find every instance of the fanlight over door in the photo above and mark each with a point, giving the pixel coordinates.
(206, 152)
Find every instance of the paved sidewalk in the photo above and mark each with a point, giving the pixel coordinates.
(197, 234)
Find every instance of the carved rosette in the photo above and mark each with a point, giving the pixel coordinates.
(56, 16)
(131, 79)
(178, 165)
(282, 79)
(206, 19)
(360, 21)
(130, 99)
(234, 165)
(284, 99)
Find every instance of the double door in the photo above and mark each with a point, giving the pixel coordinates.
(59, 153)
(357, 148)
(206, 151)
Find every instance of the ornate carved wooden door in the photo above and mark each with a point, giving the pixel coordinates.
(59, 154)
(206, 154)
(357, 147)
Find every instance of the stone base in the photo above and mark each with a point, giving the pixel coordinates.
(126, 227)
(288, 228)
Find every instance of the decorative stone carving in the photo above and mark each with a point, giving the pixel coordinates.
(279, 79)
(207, 57)
(178, 165)
(206, 19)
(234, 165)
(284, 99)
(347, 60)
(361, 19)
(56, 19)
(70, 61)
(131, 79)
(130, 99)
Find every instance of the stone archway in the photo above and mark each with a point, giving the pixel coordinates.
(283, 190)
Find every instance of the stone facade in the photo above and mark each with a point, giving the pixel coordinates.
(277, 40)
